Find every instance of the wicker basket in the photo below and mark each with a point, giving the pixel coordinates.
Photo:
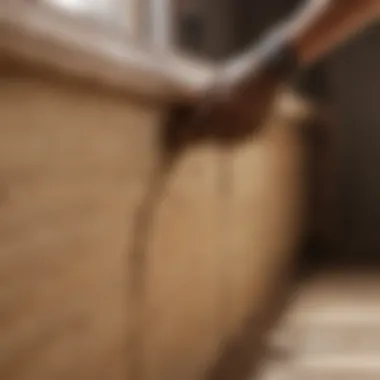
(77, 166)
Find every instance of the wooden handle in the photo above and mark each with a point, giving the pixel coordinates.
(318, 27)
(243, 91)
(338, 22)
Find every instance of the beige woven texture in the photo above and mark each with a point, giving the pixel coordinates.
(76, 164)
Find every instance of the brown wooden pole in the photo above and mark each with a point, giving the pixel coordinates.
(245, 88)
(338, 22)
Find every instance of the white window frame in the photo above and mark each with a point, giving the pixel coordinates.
(144, 60)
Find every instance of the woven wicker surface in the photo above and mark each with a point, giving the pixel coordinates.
(76, 165)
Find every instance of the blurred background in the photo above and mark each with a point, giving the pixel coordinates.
(341, 244)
